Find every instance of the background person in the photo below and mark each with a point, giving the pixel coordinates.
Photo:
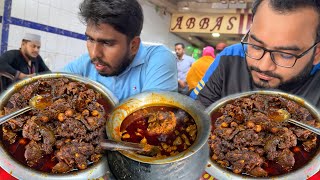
(117, 58)
(24, 62)
(184, 63)
(272, 55)
(199, 68)
(220, 47)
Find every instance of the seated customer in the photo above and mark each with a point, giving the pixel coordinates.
(199, 68)
(117, 58)
(26, 61)
(272, 55)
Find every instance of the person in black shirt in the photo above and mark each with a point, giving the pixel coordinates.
(25, 62)
(281, 51)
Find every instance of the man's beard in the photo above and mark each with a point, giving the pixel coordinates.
(29, 56)
(290, 84)
(125, 62)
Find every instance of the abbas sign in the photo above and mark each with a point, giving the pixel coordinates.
(220, 23)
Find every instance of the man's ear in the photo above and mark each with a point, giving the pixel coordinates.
(134, 45)
(317, 55)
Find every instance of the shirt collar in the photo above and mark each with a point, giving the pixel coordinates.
(183, 57)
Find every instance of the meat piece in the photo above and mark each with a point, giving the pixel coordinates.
(8, 135)
(48, 139)
(58, 88)
(16, 101)
(31, 130)
(33, 153)
(218, 148)
(258, 172)
(302, 134)
(286, 159)
(17, 123)
(61, 167)
(248, 138)
(287, 138)
(75, 154)
(161, 122)
(70, 129)
(244, 161)
(29, 90)
(310, 143)
(271, 147)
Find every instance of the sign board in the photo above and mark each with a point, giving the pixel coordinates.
(218, 23)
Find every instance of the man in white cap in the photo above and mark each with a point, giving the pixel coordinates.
(25, 62)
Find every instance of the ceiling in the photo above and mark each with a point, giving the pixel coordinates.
(205, 7)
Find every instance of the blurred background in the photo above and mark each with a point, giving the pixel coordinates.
(195, 23)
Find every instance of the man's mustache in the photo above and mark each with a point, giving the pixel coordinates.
(268, 73)
(99, 61)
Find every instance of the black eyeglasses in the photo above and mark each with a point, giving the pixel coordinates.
(280, 58)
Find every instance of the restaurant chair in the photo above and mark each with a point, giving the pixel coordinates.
(5, 80)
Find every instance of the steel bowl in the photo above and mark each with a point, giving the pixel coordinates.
(188, 164)
(305, 172)
(20, 171)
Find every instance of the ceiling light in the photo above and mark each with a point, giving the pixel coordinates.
(215, 35)
(232, 1)
(241, 1)
(223, 2)
(186, 7)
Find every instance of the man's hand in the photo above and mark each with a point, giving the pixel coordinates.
(22, 75)
(182, 84)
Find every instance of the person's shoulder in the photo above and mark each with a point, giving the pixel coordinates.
(157, 51)
(233, 50)
(156, 48)
(12, 52)
(191, 59)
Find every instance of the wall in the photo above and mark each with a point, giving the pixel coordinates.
(1, 14)
(62, 33)
(156, 26)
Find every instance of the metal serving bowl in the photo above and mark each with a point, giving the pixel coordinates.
(21, 171)
(304, 172)
(188, 164)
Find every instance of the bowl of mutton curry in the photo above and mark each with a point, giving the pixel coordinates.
(248, 142)
(61, 140)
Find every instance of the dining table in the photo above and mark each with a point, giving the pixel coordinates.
(205, 176)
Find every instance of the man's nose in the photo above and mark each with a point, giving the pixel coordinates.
(266, 63)
(96, 50)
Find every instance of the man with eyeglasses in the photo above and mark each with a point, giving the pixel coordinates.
(281, 51)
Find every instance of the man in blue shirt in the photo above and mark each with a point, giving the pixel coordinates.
(184, 62)
(117, 58)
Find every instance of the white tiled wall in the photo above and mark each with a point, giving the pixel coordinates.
(58, 50)
(156, 27)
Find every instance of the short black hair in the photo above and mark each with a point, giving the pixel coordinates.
(125, 16)
(182, 45)
(289, 6)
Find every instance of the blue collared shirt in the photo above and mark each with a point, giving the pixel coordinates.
(154, 68)
(183, 66)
